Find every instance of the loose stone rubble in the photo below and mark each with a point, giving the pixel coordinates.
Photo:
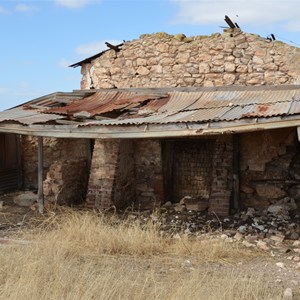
(275, 229)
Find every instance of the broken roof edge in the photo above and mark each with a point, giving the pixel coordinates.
(90, 58)
(82, 93)
(154, 130)
(196, 89)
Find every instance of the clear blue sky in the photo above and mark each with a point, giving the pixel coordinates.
(40, 38)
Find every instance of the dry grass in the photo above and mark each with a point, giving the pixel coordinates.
(87, 256)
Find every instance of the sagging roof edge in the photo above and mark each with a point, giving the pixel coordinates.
(89, 59)
(194, 89)
(151, 131)
(82, 93)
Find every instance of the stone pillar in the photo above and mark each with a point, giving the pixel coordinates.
(221, 188)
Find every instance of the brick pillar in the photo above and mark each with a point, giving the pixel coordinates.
(221, 187)
(103, 173)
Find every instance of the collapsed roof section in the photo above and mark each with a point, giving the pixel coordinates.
(159, 112)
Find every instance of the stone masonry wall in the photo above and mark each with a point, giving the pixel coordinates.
(162, 60)
(269, 166)
(66, 181)
(65, 166)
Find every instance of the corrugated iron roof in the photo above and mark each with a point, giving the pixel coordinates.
(27, 117)
(104, 102)
(158, 106)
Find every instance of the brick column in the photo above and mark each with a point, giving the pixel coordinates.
(103, 173)
(221, 188)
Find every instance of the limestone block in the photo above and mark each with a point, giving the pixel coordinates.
(217, 69)
(189, 81)
(115, 70)
(245, 59)
(192, 70)
(25, 199)
(242, 46)
(102, 71)
(218, 62)
(204, 57)
(179, 69)
(229, 79)
(204, 68)
(283, 79)
(261, 52)
(269, 191)
(229, 67)
(237, 53)
(271, 67)
(242, 69)
(182, 57)
(152, 61)
(106, 85)
(166, 61)
(157, 69)
(141, 62)
(258, 60)
(229, 58)
(163, 47)
(142, 70)
(128, 53)
(106, 63)
(200, 79)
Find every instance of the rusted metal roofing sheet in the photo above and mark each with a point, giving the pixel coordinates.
(227, 113)
(104, 102)
(236, 98)
(157, 106)
(26, 117)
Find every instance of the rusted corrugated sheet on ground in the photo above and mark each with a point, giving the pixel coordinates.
(158, 106)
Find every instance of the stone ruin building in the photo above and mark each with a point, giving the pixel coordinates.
(212, 119)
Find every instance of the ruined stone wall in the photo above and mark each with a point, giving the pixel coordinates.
(65, 166)
(231, 58)
(269, 167)
(162, 60)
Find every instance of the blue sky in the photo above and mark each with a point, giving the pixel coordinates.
(39, 39)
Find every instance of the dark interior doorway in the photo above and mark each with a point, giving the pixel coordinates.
(188, 168)
(10, 170)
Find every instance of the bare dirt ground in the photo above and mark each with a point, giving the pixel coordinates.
(280, 266)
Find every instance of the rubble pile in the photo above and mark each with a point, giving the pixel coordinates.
(276, 227)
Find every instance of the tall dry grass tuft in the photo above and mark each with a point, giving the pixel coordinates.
(89, 256)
